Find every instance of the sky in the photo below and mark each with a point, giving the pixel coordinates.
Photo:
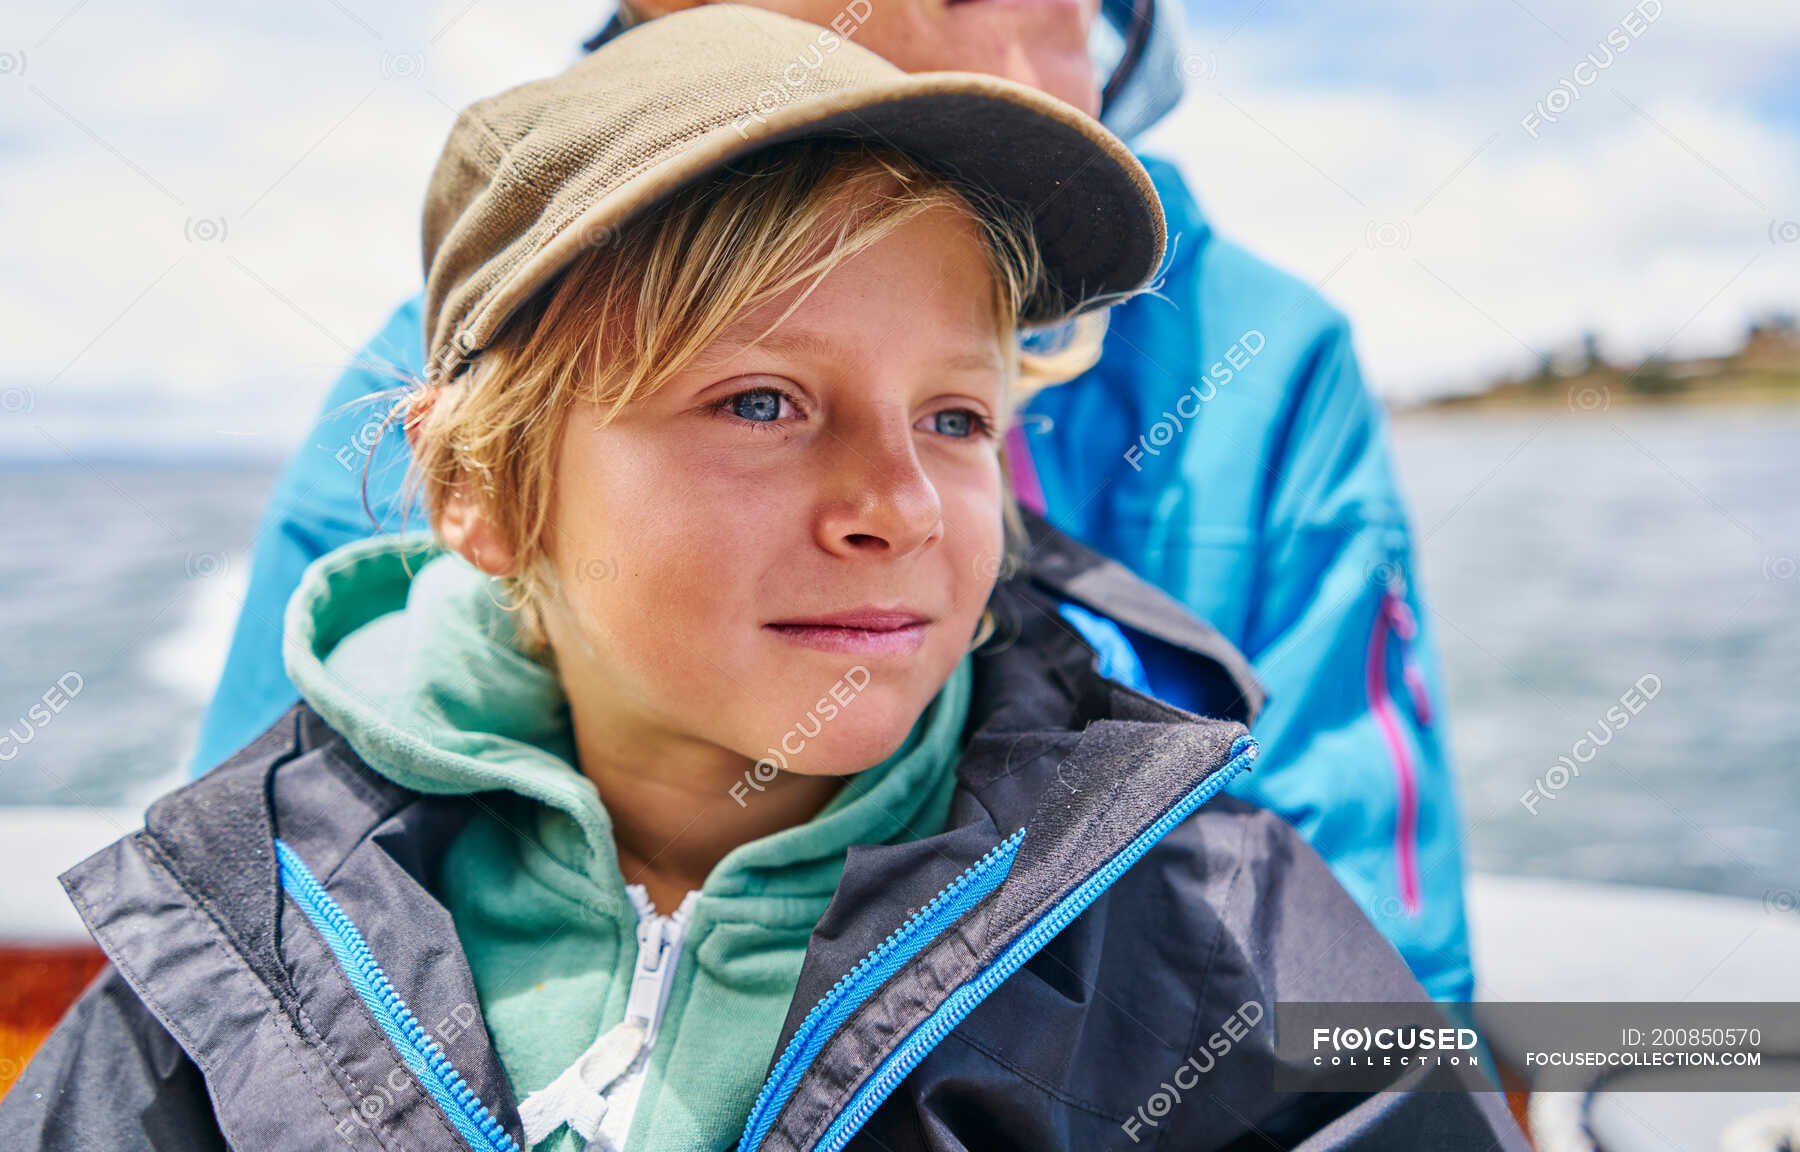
(1476, 184)
(208, 207)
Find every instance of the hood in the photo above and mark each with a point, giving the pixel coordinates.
(394, 641)
(405, 649)
(1146, 78)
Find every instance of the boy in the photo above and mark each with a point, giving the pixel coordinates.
(1273, 514)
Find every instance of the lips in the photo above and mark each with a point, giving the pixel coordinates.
(867, 631)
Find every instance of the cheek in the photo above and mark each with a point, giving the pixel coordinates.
(644, 503)
(974, 533)
(660, 548)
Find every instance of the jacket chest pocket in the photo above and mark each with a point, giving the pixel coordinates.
(1065, 1050)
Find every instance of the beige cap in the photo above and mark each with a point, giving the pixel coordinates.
(533, 175)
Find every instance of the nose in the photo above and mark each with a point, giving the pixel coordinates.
(877, 495)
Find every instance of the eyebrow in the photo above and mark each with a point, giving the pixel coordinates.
(804, 343)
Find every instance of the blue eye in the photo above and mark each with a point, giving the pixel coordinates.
(961, 423)
(955, 422)
(760, 408)
(760, 405)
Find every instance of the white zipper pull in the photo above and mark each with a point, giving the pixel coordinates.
(659, 951)
(579, 1096)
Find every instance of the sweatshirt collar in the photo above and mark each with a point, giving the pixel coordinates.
(406, 649)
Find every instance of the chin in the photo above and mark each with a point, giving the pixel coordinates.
(1071, 80)
(829, 738)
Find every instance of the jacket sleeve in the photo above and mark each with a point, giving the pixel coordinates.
(317, 505)
(1289, 933)
(109, 1076)
(1341, 637)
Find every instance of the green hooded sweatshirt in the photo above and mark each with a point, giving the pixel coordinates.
(405, 650)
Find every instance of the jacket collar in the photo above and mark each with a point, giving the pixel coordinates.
(1070, 570)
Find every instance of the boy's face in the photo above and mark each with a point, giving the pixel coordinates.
(1043, 43)
(839, 465)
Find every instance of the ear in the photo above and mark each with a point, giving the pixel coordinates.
(462, 524)
(472, 534)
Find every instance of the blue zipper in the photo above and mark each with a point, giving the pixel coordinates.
(950, 1013)
(416, 1046)
(873, 970)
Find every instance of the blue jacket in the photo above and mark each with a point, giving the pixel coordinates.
(1225, 448)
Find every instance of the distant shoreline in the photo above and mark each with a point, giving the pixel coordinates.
(1611, 389)
(1764, 371)
(1734, 400)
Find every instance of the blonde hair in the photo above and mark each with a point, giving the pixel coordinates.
(648, 298)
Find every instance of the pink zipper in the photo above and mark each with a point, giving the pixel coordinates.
(1026, 486)
(1394, 614)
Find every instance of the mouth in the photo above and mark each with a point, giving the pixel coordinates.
(867, 631)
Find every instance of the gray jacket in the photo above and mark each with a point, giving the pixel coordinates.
(1034, 977)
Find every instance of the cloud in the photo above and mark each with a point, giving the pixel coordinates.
(218, 204)
(1460, 239)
